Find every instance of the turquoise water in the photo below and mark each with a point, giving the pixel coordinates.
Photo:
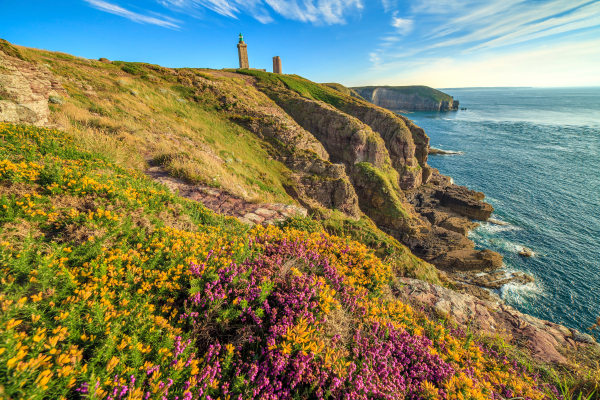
(535, 153)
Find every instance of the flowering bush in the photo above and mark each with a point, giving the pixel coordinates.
(113, 288)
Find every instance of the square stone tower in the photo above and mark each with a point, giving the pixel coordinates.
(243, 53)
(277, 65)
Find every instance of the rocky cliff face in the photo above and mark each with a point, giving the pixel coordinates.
(398, 138)
(363, 151)
(396, 100)
(345, 138)
(447, 210)
(24, 91)
(314, 181)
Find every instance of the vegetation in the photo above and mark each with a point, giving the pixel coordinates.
(114, 288)
(424, 92)
(11, 50)
(400, 259)
(343, 89)
(141, 112)
(302, 86)
(384, 189)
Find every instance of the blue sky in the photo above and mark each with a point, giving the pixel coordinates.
(439, 43)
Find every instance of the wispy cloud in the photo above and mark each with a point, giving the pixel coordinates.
(389, 5)
(158, 19)
(313, 11)
(444, 28)
(402, 25)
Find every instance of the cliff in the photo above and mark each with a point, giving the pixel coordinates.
(161, 235)
(408, 98)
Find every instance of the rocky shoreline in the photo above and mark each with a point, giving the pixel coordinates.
(448, 213)
(548, 342)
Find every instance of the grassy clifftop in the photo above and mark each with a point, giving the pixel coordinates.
(424, 92)
(343, 89)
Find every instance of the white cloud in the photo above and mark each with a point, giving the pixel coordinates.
(513, 18)
(450, 27)
(403, 26)
(314, 11)
(389, 5)
(159, 20)
(584, 17)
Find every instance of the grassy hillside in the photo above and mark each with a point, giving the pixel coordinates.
(424, 92)
(144, 113)
(114, 288)
(302, 86)
(343, 89)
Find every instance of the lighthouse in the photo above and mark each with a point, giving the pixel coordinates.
(243, 53)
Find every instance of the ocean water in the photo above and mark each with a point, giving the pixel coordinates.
(535, 153)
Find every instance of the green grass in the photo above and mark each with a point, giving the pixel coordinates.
(11, 50)
(303, 87)
(385, 189)
(156, 124)
(341, 88)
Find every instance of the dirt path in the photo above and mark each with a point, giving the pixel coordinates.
(224, 203)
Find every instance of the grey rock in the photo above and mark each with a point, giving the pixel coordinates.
(582, 337)
(55, 100)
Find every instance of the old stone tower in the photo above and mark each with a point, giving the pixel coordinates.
(243, 53)
(277, 65)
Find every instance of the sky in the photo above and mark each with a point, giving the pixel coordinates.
(438, 43)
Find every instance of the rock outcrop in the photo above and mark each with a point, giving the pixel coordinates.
(224, 203)
(408, 98)
(346, 139)
(399, 140)
(545, 340)
(448, 210)
(320, 184)
(465, 202)
(24, 91)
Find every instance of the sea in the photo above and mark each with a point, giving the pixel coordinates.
(535, 153)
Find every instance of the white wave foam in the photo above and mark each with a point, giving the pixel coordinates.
(488, 227)
(517, 293)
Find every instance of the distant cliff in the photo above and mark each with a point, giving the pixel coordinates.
(408, 98)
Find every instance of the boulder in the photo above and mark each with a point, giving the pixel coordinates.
(465, 202)
(469, 260)
(27, 87)
(460, 225)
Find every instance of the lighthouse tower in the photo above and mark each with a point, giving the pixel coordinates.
(277, 65)
(243, 53)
